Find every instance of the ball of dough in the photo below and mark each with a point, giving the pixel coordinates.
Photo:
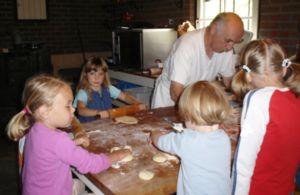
(128, 147)
(115, 165)
(114, 149)
(171, 157)
(146, 175)
(127, 158)
(126, 120)
(160, 158)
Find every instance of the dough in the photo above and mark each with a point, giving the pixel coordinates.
(127, 158)
(126, 120)
(114, 149)
(128, 147)
(115, 165)
(171, 157)
(146, 175)
(160, 158)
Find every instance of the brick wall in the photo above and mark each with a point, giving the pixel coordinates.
(60, 30)
(279, 20)
(96, 18)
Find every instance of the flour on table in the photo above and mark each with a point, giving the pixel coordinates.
(126, 120)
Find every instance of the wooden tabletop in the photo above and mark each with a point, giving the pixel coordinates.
(105, 134)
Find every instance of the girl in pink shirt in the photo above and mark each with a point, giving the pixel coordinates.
(49, 152)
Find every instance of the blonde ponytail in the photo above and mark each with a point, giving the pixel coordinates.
(39, 90)
(18, 125)
(292, 78)
(240, 86)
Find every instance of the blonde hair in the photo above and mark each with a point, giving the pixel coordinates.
(265, 57)
(204, 103)
(92, 64)
(39, 90)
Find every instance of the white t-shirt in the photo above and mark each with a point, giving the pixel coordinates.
(187, 63)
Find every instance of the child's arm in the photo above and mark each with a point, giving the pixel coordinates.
(126, 110)
(84, 111)
(128, 98)
(155, 135)
(80, 136)
(118, 155)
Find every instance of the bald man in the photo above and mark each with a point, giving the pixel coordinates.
(199, 55)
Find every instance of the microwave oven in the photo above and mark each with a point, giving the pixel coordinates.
(139, 49)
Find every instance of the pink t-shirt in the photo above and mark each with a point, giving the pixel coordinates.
(48, 156)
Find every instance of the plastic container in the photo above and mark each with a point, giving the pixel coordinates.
(123, 85)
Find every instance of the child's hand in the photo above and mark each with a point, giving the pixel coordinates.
(142, 107)
(123, 153)
(82, 139)
(154, 136)
(118, 155)
(103, 114)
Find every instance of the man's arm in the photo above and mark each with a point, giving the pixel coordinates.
(175, 90)
(227, 82)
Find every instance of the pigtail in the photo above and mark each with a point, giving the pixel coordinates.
(18, 125)
(292, 78)
(240, 86)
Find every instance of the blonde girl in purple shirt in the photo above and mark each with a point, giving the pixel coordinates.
(49, 152)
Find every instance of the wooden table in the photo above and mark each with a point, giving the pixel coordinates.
(106, 134)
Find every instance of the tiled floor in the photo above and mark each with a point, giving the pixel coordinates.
(9, 176)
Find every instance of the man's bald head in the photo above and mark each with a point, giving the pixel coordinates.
(227, 29)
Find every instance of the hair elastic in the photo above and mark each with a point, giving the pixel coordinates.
(246, 68)
(286, 62)
(26, 110)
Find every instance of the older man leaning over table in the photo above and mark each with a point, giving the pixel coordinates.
(199, 55)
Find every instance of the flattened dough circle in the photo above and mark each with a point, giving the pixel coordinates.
(146, 175)
(114, 149)
(160, 158)
(127, 158)
(126, 120)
